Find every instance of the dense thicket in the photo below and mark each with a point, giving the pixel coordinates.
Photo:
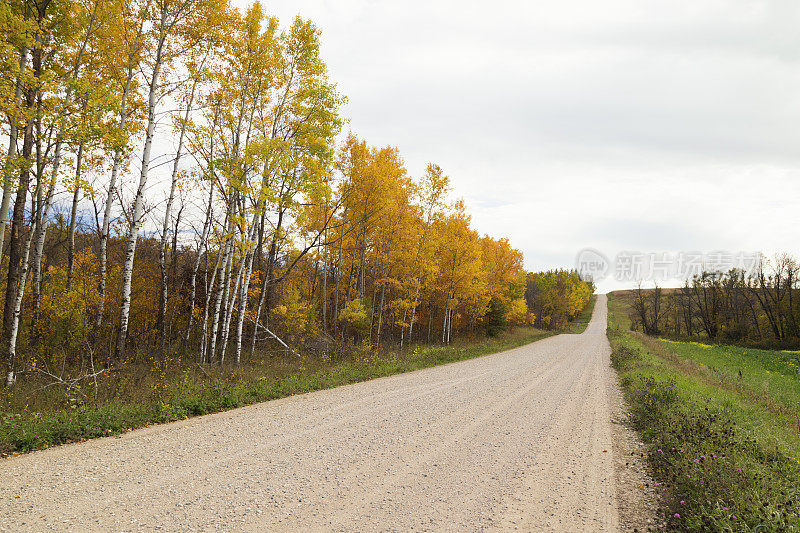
(730, 306)
(172, 185)
(556, 297)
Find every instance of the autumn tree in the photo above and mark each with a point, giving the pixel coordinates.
(172, 165)
(177, 25)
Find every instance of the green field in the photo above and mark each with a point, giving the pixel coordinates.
(770, 377)
(722, 428)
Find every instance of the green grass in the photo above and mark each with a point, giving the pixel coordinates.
(723, 449)
(619, 309)
(33, 418)
(771, 375)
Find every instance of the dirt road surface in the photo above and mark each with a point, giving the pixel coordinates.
(520, 440)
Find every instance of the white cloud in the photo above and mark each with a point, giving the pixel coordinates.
(618, 124)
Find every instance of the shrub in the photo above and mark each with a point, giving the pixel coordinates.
(495, 319)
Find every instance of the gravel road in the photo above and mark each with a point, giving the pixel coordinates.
(516, 440)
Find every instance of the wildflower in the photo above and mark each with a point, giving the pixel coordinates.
(683, 502)
(677, 515)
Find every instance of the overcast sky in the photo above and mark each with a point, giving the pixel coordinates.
(618, 124)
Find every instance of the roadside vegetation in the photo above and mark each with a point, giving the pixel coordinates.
(185, 227)
(721, 425)
(38, 412)
(580, 323)
(251, 252)
(143, 396)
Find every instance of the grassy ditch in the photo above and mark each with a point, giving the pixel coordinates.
(720, 425)
(33, 416)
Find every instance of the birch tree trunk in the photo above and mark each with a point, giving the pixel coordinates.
(244, 293)
(403, 329)
(73, 218)
(383, 294)
(430, 321)
(18, 253)
(227, 294)
(13, 135)
(339, 267)
(233, 295)
(112, 187)
(43, 208)
(449, 321)
(444, 323)
(162, 253)
(42, 217)
(215, 322)
(207, 303)
(266, 286)
(196, 266)
(13, 331)
(37, 231)
(325, 278)
(138, 205)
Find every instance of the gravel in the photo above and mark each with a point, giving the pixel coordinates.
(517, 440)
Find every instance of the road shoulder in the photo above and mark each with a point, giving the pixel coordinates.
(637, 493)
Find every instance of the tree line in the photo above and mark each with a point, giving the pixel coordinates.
(173, 184)
(763, 307)
(556, 297)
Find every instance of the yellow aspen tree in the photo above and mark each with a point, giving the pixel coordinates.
(176, 25)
